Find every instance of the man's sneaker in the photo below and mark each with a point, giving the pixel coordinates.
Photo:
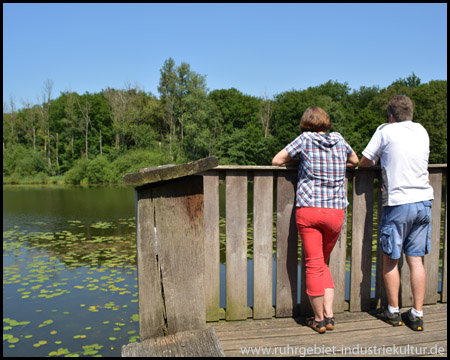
(393, 319)
(413, 322)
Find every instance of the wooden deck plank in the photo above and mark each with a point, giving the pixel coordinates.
(352, 330)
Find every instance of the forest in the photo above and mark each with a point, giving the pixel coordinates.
(97, 138)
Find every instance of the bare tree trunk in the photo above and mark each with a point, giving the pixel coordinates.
(34, 138)
(265, 114)
(49, 152)
(86, 139)
(101, 153)
(85, 112)
(57, 157)
(72, 143)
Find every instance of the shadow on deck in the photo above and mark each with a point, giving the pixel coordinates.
(356, 334)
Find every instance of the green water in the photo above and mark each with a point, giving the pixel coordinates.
(69, 271)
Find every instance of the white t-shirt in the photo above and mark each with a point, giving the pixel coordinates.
(403, 149)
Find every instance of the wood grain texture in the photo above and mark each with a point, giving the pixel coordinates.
(212, 245)
(287, 245)
(196, 343)
(362, 227)
(262, 244)
(236, 245)
(180, 230)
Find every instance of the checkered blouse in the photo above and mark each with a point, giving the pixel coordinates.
(321, 170)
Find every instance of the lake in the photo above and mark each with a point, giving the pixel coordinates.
(69, 271)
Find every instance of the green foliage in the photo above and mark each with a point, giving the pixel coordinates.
(23, 162)
(134, 160)
(98, 171)
(123, 130)
(75, 175)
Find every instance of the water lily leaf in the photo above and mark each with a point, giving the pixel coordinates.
(59, 352)
(45, 323)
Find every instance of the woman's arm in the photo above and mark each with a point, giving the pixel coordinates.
(283, 158)
(352, 160)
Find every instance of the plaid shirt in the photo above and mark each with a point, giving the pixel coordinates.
(321, 170)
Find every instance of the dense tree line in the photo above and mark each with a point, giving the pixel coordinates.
(99, 137)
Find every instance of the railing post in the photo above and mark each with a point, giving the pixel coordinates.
(236, 247)
(212, 245)
(171, 261)
(432, 259)
(262, 244)
(444, 258)
(287, 246)
(337, 264)
(361, 254)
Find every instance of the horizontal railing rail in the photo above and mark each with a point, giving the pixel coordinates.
(276, 185)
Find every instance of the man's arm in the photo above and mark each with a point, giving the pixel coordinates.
(365, 162)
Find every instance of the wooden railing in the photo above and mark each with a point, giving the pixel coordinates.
(271, 181)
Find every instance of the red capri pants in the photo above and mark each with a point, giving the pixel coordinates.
(319, 229)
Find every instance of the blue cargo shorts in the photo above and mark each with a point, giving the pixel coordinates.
(406, 227)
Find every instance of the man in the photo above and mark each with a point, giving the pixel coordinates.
(402, 147)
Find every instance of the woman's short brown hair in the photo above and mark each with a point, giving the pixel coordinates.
(315, 119)
(401, 107)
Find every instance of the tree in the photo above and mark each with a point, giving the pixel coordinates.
(84, 108)
(167, 89)
(45, 119)
(119, 102)
(266, 114)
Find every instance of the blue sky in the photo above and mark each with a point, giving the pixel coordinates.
(259, 49)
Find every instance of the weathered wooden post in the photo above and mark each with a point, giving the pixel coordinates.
(170, 260)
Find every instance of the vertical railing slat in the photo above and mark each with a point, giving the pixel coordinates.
(361, 255)
(236, 245)
(212, 245)
(444, 260)
(287, 246)
(337, 266)
(380, 290)
(432, 259)
(262, 244)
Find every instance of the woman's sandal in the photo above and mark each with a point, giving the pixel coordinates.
(319, 326)
(329, 323)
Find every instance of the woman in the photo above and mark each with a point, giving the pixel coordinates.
(320, 202)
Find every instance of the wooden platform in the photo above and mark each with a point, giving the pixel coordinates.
(356, 334)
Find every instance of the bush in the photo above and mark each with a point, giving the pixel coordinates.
(134, 160)
(98, 171)
(77, 173)
(32, 164)
(23, 162)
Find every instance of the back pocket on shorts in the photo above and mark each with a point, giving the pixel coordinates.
(386, 239)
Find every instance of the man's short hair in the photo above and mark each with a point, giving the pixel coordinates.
(401, 107)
